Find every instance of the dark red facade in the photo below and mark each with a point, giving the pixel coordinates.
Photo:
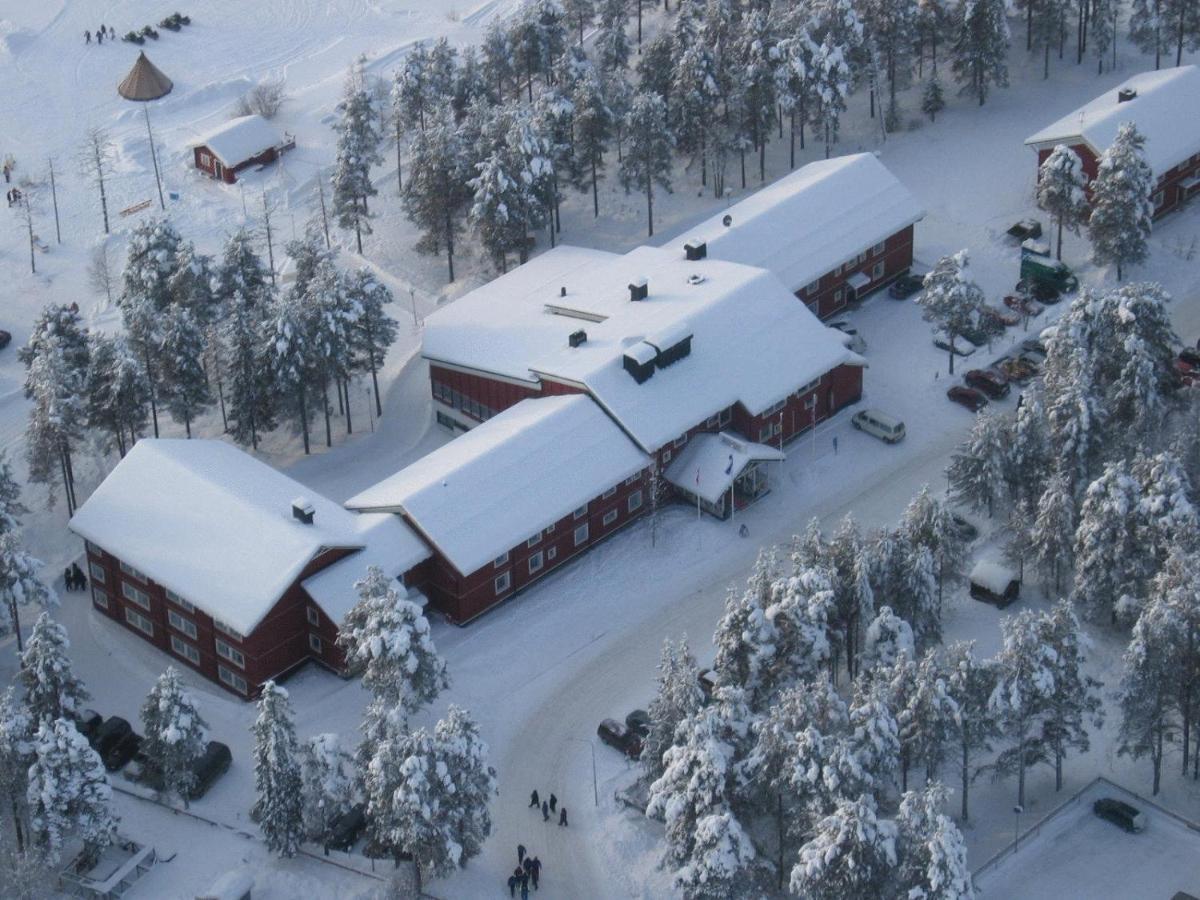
(880, 263)
(293, 632)
(206, 161)
(1179, 183)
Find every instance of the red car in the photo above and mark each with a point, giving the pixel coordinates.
(968, 397)
(1023, 305)
(1000, 316)
(988, 382)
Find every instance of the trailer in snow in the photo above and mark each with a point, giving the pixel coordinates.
(995, 584)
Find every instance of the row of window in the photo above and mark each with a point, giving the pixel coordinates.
(140, 597)
(878, 249)
(460, 401)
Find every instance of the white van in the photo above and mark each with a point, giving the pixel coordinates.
(887, 428)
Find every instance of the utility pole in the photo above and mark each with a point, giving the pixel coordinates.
(154, 159)
(54, 199)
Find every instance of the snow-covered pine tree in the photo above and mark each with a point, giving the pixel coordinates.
(931, 849)
(185, 390)
(933, 98)
(117, 395)
(20, 583)
(951, 299)
(497, 195)
(533, 149)
(16, 753)
(248, 373)
(1053, 533)
(694, 84)
(11, 507)
(612, 44)
(1176, 586)
(723, 863)
(918, 602)
(174, 734)
(411, 95)
(1147, 692)
(864, 759)
(325, 784)
(1165, 519)
(1119, 226)
(853, 598)
(357, 150)
(1146, 26)
(981, 47)
(240, 277)
(294, 369)
(852, 853)
(656, 66)
(1018, 536)
(1074, 414)
(462, 753)
(678, 697)
(498, 57)
(191, 284)
(648, 158)
(977, 470)
(1074, 700)
(278, 806)
(593, 132)
(832, 79)
(896, 685)
(932, 713)
(581, 13)
(969, 683)
(928, 522)
(374, 330)
(68, 792)
(1108, 560)
(892, 26)
(436, 194)
(1024, 671)
(51, 689)
(1029, 457)
(887, 637)
(1061, 191)
(470, 83)
(747, 638)
(794, 76)
(758, 61)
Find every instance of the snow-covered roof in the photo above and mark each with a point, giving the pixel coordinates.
(215, 525)
(710, 463)
(993, 576)
(387, 543)
(239, 139)
(752, 341)
(811, 221)
(1166, 111)
(508, 478)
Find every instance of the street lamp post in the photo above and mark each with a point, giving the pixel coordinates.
(595, 783)
(1017, 810)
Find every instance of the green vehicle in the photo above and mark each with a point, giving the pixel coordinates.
(1041, 273)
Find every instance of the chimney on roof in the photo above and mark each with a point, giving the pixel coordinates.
(695, 249)
(303, 510)
(1125, 94)
(639, 289)
(562, 291)
(575, 338)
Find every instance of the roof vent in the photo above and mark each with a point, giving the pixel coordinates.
(695, 249)
(727, 220)
(562, 291)
(639, 361)
(639, 290)
(303, 510)
(695, 278)
(1124, 95)
(577, 337)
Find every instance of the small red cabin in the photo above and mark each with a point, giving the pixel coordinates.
(239, 144)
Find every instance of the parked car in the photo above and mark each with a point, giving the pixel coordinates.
(989, 382)
(88, 723)
(856, 342)
(1120, 813)
(887, 428)
(5, 338)
(1026, 306)
(1003, 317)
(1182, 375)
(638, 722)
(109, 733)
(1016, 369)
(1026, 229)
(905, 286)
(121, 751)
(347, 828)
(1190, 356)
(966, 530)
(968, 397)
(1033, 346)
(209, 767)
(961, 347)
(618, 735)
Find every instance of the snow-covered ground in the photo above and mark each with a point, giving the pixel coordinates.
(541, 671)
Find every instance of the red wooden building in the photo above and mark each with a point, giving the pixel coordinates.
(833, 231)
(237, 145)
(1165, 107)
(225, 564)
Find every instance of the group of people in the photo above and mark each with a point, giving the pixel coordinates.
(13, 196)
(101, 33)
(74, 579)
(529, 869)
(547, 807)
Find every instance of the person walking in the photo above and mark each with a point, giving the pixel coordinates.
(99, 37)
(533, 799)
(545, 811)
(68, 579)
(535, 871)
(562, 817)
(553, 803)
(87, 37)
(512, 885)
(520, 855)
(528, 865)
(80, 578)
(525, 889)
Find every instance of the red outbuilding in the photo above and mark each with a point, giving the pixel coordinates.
(239, 144)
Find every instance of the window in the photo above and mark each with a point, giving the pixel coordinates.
(837, 297)
(1157, 199)
(92, 548)
(97, 572)
(666, 457)
(581, 534)
(877, 271)
(130, 570)
(232, 654)
(99, 597)
(581, 512)
(634, 501)
(314, 617)
(837, 271)
(680, 441)
(225, 629)
(314, 643)
(725, 417)
(503, 580)
(179, 623)
(501, 560)
(186, 650)
(611, 492)
(778, 407)
(877, 249)
(813, 287)
(549, 529)
(179, 601)
(810, 402)
(551, 553)
(632, 479)
(234, 680)
(609, 518)
(534, 541)
(862, 258)
(141, 598)
(535, 562)
(764, 434)
(811, 386)
(446, 422)
(138, 621)
(711, 422)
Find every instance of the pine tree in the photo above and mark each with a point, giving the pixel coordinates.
(68, 792)
(927, 522)
(1024, 670)
(357, 150)
(1146, 24)
(1119, 226)
(278, 806)
(1147, 691)
(294, 369)
(580, 12)
(896, 685)
(251, 402)
(325, 784)
(1061, 190)
(933, 99)
(977, 469)
(240, 277)
(677, 698)
(832, 81)
(970, 682)
(951, 299)
(612, 44)
(931, 849)
(864, 759)
(463, 755)
(933, 714)
(51, 689)
(375, 331)
(186, 394)
(117, 395)
(593, 131)
(892, 25)
(694, 83)
(1029, 456)
(1074, 413)
(1053, 532)
(20, 584)
(918, 602)
(981, 48)
(11, 508)
(497, 195)
(497, 59)
(758, 62)
(648, 161)
(852, 853)
(436, 195)
(1165, 518)
(413, 95)
(794, 77)
(887, 637)
(174, 734)
(16, 754)
(853, 597)
(1107, 557)
(1074, 699)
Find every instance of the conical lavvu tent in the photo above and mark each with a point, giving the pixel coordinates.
(145, 81)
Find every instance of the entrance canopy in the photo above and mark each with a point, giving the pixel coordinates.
(145, 81)
(711, 463)
(858, 281)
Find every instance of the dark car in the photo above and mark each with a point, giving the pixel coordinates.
(988, 382)
(109, 733)
(1026, 229)
(618, 735)
(5, 338)
(88, 722)
(968, 397)
(1119, 813)
(121, 751)
(1190, 357)
(638, 722)
(967, 532)
(209, 767)
(1033, 346)
(347, 827)
(905, 286)
(1018, 369)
